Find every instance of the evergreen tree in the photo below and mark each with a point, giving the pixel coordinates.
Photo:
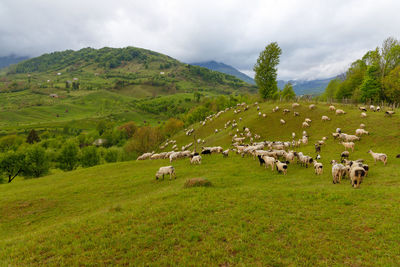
(32, 137)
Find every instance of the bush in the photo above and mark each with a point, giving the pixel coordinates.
(36, 162)
(111, 155)
(69, 159)
(90, 157)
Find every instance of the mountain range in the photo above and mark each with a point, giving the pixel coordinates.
(11, 59)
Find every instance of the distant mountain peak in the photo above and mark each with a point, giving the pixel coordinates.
(224, 68)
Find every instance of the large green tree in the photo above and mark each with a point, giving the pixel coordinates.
(288, 92)
(68, 159)
(11, 164)
(266, 70)
(371, 87)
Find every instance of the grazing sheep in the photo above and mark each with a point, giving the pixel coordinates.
(363, 115)
(304, 160)
(318, 156)
(372, 107)
(305, 125)
(264, 115)
(335, 135)
(282, 121)
(312, 106)
(206, 152)
(378, 108)
(362, 125)
(340, 112)
(296, 114)
(338, 130)
(145, 156)
(344, 154)
(398, 156)
(258, 108)
(295, 105)
(360, 132)
(349, 137)
(259, 114)
(389, 113)
(289, 156)
(275, 109)
(304, 140)
(293, 135)
(305, 133)
(269, 161)
(324, 138)
(325, 118)
(285, 111)
(362, 109)
(378, 157)
(338, 170)
(281, 166)
(332, 108)
(166, 170)
(348, 145)
(195, 159)
(356, 174)
(261, 160)
(308, 120)
(225, 153)
(318, 167)
(317, 148)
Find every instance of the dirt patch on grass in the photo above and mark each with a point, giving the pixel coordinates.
(193, 182)
(23, 208)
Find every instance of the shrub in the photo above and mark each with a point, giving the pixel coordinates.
(90, 157)
(36, 162)
(111, 155)
(69, 159)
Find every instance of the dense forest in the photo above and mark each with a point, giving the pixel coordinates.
(373, 78)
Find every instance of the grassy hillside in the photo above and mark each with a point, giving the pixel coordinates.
(119, 214)
(97, 83)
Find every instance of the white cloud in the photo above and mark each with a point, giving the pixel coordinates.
(318, 38)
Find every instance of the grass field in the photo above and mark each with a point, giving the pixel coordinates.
(118, 214)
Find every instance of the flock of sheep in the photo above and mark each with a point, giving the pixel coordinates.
(278, 154)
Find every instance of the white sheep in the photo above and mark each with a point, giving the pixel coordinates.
(348, 145)
(304, 140)
(281, 166)
(308, 120)
(282, 121)
(362, 125)
(269, 161)
(340, 112)
(325, 118)
(295, 105)
(296, 114)
(166, 170)
(318, 167)
(363, 115)
(145, 156)
(356, 174)
(259, 113)
(378, 157)
(338, 171)
(360, 132)
(264, 115)
(312, 106)
(332, 108)
(372, 107)
(195, 159)
(305, 125)
(389, 113)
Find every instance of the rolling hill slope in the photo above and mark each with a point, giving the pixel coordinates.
(119, 214)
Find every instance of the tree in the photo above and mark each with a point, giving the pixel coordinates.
(172, 126)
(128, 129)
(36, 162)
(11, 164)
(331, 89)
(266, 71)
(10, 142)
(69, 159)
(288, 92)
(32, 137)
(391, 85)
(371, 87)
(90, 157)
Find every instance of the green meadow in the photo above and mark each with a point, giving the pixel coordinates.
(119, 214)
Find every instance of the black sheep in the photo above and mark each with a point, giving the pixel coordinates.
(261, 160)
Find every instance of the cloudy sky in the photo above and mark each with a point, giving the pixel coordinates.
(318, 39)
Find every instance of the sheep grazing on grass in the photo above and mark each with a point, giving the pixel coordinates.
(308, 120)
(318, 167)
(349, 137)
(261, 160)
(378, 157)
(325, 118)
(389, 113)
(362, 108)
(282, 121)
(195, 159)
(281, 166)
(356, 174)
(338, 171)
(362, 125)
(372, 107)
(348, 145)
(264, 115)
(360, 132)
(332, 108)
(166, 170)
(363, 115)
(275, 109)
(269, 161)
(340, 112)
(259, 114)
(303, 159)
(145, 156)
(338, 130)
(312, 106)
(295, 105)
(304, 140)
(206, 152)
(344, 154)
(378, 108)
(317, 148)
(318, 156)
(225, 153)
(305, 125)
(286, 111)
(335, 135)
(398, 156)
(296, 114)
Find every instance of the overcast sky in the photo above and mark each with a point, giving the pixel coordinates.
(318, 39)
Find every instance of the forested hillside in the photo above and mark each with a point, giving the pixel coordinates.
(375, 77)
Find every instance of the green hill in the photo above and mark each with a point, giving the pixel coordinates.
(118, 214)
(81, 86)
